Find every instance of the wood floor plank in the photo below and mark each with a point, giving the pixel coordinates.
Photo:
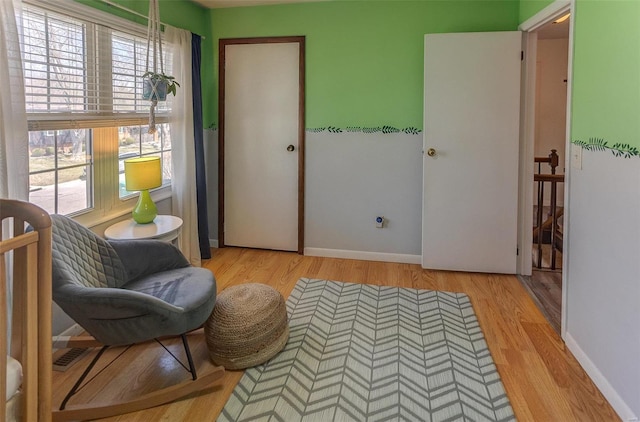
(542, 379)
(569, 377)
(537, 387)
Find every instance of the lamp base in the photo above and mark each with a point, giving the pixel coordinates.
(145, 210)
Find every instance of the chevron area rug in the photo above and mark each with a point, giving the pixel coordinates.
(360, 352)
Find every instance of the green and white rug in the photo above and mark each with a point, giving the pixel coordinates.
(359, 352)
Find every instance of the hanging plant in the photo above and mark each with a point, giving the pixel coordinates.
(156, 85)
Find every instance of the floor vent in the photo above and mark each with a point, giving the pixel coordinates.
(67, 360)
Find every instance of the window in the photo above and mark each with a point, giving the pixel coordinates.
(84, 107)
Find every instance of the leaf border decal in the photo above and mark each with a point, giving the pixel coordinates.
(384, 129)
(618, 149)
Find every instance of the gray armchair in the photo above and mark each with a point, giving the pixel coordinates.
(125, 292)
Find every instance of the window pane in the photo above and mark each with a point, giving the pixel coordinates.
(129, 147)
(42, 191)
(42, 155)
(166, 168)
(136, 141)
(129, 141)
(73, 196)
(73, 147)
(59, 167)
(148, 141)
(165, 133)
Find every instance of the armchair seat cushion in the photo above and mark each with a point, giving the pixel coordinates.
(191, 291)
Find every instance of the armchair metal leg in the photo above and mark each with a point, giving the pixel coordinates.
(192, 367)
(76, 386)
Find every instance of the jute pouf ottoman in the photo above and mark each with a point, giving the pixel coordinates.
(248, 326)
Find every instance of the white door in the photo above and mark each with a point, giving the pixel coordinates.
(471, 125)
(261, 121)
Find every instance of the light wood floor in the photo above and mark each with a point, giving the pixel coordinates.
(542, 379)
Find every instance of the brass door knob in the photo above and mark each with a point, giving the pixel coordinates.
(431, 152)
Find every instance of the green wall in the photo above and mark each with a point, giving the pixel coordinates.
(529, 8)
(364, 59)
(606, 75)
(181, 14)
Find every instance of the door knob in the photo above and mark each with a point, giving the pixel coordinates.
(431, 152)
(291, 148)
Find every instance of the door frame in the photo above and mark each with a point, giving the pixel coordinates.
(301, 125)
(527, 140)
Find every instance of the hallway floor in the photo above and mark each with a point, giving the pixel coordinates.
(545, 288)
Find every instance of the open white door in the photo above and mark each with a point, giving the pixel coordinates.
(471, 136)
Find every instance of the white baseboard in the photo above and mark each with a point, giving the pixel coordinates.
(607, 390)
(213, 243)
(60, 341)
(363, 255)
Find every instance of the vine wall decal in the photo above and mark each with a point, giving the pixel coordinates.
(411, 130)
(618, 149)
(378, 129)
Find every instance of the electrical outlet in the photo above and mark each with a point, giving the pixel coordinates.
(379, 222)
(576, 156)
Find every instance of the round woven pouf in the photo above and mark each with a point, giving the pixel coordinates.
(248, 326)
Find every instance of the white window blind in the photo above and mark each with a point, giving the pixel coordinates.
(54, 63)
(129, 64)
(80, 74)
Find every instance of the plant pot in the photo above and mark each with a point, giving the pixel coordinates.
(154, 89)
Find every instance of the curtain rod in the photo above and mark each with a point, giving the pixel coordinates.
(133, 12)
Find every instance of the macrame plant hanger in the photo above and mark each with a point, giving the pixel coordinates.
(154, 43)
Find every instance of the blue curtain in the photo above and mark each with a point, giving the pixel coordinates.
(201, 177)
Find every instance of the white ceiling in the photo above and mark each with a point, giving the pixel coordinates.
(212, 4)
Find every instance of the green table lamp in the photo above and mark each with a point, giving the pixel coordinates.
(142, 174)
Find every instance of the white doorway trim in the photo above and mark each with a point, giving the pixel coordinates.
(527, 116)
(546, 15)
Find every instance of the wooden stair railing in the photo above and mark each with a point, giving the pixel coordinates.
(31, 316)
(551, 222)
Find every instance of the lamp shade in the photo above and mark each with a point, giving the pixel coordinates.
(142, 173)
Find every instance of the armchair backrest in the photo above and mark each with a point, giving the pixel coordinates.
(81, 257)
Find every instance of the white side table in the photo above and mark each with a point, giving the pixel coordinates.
(164, 227)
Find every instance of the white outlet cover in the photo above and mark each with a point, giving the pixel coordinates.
(576, 156)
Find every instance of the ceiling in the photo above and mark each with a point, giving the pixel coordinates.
(212, 4)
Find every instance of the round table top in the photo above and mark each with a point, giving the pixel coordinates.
(129, 229)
